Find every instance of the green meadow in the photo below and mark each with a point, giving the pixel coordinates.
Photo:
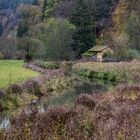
(12, 71)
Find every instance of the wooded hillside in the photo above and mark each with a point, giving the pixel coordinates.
(87, 23)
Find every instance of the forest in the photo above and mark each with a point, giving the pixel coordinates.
(80, 25)
(69, 69)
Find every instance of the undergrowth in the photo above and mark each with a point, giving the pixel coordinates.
(94, 117)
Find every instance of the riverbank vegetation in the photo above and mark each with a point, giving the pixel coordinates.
(125, 72)
(97, 116)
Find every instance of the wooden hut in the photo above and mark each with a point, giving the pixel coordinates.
(97, 52)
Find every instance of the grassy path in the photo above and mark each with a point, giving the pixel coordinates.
(12, 71)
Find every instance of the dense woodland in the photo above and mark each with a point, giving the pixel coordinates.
(65, 29)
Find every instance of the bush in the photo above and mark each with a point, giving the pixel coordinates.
(36, 88)
(101, 75)
(10, 102)
(86, 100)
(52, 65)
(112, 76)
(59, 83)
(108, 56)
(47, 65)
(14, 89)
(126, 54)
(1, 56)
(134, 54)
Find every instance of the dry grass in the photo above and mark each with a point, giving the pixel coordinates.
(120, 72)
(98, 66)
(111, 116)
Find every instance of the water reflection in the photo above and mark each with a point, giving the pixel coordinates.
(67, 98)
(4, 122)
(86, 86)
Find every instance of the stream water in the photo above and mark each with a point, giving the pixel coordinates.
(67, 97)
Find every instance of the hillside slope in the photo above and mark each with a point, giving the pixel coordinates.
(8, 15)
(121, 17)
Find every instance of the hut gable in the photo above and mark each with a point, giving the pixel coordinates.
(98, 49)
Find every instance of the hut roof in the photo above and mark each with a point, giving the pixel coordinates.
(97, 48)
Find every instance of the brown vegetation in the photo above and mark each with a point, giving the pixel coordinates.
(94, 117)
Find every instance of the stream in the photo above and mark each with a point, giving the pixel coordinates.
(55, 99)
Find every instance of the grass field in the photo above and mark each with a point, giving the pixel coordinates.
(12, 71)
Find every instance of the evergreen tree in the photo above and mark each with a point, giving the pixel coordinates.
(1, 28)
(22, 29)
(83, 19)
(44, 5)
(35, 2)
(50, 8)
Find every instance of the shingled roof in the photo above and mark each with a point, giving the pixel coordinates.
(97, 48)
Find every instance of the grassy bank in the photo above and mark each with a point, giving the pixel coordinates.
(118, 72)
(12, 74)
(12, 71)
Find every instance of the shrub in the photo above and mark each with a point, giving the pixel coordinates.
(35, 87)
(52, 65)
(1, 56)
(40, 64)
(10, 102)
(14, 89)
(112, 76)
(86, 100)
(47, 65)
(59, 83)
(134, 54)
(108, 56)
(101, 75)
(81, 72)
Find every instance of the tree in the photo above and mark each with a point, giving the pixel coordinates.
(51, 4)
(43, 6)
(133, 31)
(29, 46)
(30, 15)
(83, 19)
(1, 28)
(23, 28)
(57, 35)
(9, 48)
(121, 51)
